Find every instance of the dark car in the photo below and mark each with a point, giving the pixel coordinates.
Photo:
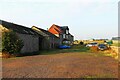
(64, 47)
(102, 47)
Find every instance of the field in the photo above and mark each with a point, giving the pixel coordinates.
(77, 62)
(0, 45)
(116, 43)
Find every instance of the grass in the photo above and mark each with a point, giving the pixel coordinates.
(0, 46)
(75, 48)
(100, 76)
(116, 44)
(78, 48)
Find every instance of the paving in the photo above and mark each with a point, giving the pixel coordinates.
(62, 65)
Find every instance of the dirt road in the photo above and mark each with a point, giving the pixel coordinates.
(63, 65)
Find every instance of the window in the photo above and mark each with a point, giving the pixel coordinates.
(31, 32)
(67, 31)
(67, 36)
(25, 31)
(63, 35)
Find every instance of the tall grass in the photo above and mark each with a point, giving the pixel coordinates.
(116, 43)
(0, 44)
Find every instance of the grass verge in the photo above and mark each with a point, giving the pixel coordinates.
(75, 48)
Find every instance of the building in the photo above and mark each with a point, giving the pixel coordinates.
(29, 37)
(49, 40)
(63, 33)
(115, 38)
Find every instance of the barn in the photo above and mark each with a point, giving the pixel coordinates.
(29, 37)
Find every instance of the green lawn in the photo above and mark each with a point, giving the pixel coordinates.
(75, 48)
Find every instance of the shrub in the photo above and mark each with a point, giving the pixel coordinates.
(94, 49)
(11, 42)
(81, 43)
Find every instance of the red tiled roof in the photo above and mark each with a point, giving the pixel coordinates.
(55, 29)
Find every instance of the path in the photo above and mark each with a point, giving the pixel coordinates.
(63, 65)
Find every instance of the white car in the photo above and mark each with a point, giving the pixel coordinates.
(91, 44)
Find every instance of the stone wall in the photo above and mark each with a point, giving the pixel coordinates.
(30, 43)
(54, 42)
(50, 43)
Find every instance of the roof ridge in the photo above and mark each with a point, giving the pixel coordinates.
(47, 32)
(14, 24)
(17, 28)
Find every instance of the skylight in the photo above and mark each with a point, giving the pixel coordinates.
(25, 31)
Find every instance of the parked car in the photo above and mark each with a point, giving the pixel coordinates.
(102, 47)
(64, 47)
(92, 44)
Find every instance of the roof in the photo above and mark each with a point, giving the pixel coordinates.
(71, 35)
(64, 27)
(46, 32)
(17, 28)
(55, 29)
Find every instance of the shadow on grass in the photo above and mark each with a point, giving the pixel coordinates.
(74, 48)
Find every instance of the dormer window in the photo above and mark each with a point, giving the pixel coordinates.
(25, 31)
(31, 32)
(67, 31)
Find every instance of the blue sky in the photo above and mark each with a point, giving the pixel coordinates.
(86, 18)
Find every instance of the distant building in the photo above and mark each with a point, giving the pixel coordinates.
(63, 33)
(115, 38)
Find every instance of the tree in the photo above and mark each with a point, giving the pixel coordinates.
(11, 42)
(81, 43)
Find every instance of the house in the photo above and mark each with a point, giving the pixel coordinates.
(50, 41)
(63, 33)
(29, 37)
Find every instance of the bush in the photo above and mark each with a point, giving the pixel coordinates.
(81, 43)
(94, 49)
(11, 42)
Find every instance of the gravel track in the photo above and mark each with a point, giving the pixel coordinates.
(63, 65)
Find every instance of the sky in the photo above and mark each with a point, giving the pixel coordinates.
(86, 19)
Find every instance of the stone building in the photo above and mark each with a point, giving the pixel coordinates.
(63, 33)
(29, 37)
(49, 41)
